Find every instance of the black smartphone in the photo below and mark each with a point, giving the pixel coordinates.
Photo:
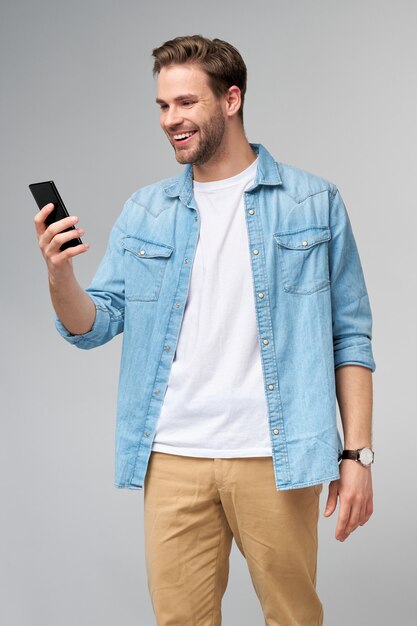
(46, 192)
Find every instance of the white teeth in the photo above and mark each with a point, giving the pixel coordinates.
(183, 136)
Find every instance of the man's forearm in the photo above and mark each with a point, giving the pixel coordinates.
(72, 304)
(355, 396)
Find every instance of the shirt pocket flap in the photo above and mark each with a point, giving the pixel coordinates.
(304, 238)
(145, 249)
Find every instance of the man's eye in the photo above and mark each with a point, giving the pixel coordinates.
(187, 103)
(163, 107)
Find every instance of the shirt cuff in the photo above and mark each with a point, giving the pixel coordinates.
(355, 355)
(94, 336)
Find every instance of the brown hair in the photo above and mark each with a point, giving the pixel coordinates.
(219, 59)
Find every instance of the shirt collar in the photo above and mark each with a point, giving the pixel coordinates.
(267, 173)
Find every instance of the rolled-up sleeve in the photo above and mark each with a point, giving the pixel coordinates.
(107, 293)
(351, 310)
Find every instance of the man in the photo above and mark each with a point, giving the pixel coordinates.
(239, 290)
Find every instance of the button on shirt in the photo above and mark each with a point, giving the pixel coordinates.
(215, 403)
(308, 288)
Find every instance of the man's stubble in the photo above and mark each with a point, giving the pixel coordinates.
(211, 135)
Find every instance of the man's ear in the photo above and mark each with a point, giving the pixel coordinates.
(233, 100)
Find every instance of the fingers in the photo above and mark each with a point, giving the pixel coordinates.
(367, 511)
(354, 490)
(362, 516)
(57, 257)
(354, 511)
(52, 237)
(40, 218)
(342, 531)
(60, 238)
(55, 228)
(331, 498)
(47, 233)
(69, 253)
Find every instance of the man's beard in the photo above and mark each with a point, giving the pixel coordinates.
(210, 137)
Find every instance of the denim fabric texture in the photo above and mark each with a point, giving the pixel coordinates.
(312, 309)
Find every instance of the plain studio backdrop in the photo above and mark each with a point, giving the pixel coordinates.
(332, 89)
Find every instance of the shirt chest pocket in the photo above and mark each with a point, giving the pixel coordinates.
(303, 256)
(145, 264)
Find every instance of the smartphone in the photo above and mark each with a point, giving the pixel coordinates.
(46, 192)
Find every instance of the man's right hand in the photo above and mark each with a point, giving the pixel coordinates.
(51, 238)
(72, 304)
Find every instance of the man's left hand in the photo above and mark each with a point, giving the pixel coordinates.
(354, 488)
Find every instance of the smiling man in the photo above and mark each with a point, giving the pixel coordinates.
(240, 292)
(194, 123)
(202, 129)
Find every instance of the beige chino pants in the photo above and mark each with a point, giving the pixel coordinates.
(194, 507)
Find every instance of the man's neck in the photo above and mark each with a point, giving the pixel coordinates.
(226, 162)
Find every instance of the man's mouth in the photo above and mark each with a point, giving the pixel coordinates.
(183, 138)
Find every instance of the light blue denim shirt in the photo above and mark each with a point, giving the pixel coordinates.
(312, 308)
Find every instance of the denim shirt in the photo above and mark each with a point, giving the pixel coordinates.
(312, 310)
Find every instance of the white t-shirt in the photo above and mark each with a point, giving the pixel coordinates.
(215, 404)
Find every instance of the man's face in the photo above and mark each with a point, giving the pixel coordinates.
(191, 115)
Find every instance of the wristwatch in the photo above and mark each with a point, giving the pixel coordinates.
(365, 456)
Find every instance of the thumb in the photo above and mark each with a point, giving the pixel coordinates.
(331, 502)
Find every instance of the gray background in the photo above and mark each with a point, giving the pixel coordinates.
(332, 89)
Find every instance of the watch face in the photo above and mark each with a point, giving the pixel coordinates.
(366, 456)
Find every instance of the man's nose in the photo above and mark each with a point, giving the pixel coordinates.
(173, 118)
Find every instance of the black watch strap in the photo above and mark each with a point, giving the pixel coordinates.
(349, 454)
